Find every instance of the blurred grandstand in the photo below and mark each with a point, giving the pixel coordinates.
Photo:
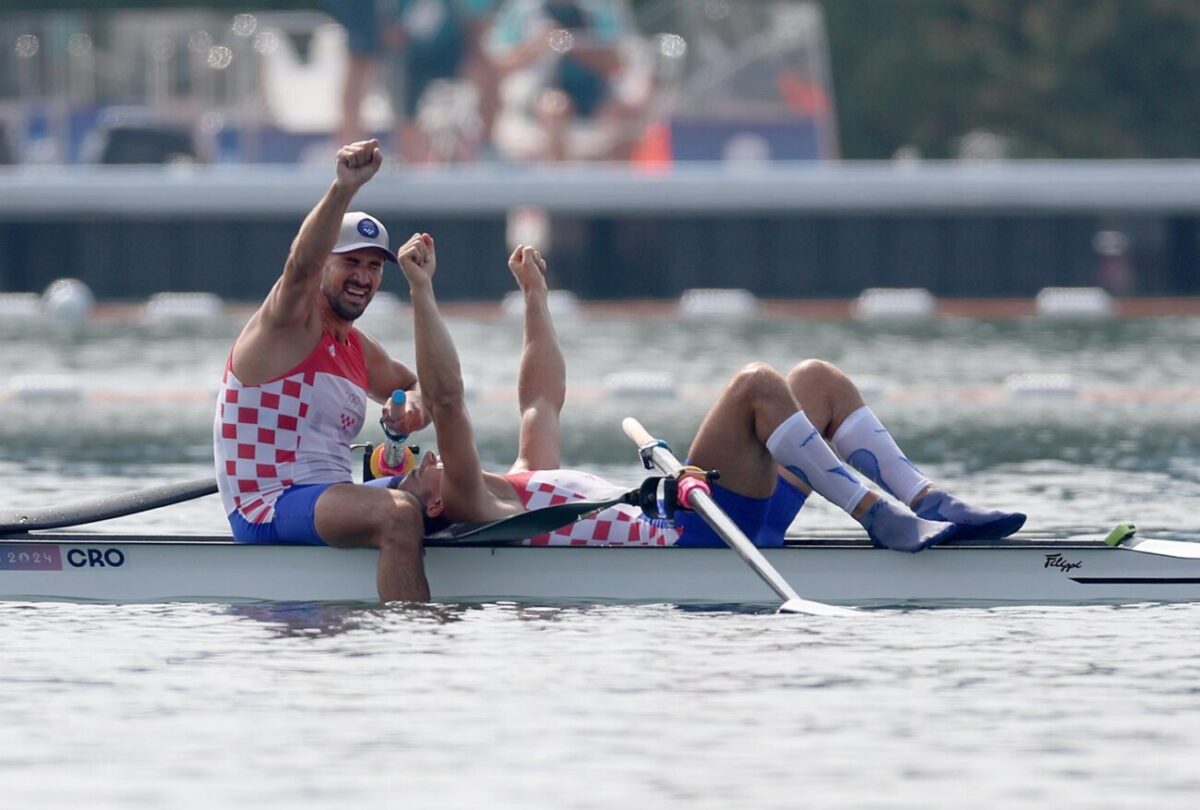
(708, 80)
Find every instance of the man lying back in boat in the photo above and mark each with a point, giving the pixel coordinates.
(294, 394)
(762, 434)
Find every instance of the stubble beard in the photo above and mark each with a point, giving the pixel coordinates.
(344, 310)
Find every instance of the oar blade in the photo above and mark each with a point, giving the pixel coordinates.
(811, 608)
(661, 457)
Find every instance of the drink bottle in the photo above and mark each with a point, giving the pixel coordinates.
(393, 457)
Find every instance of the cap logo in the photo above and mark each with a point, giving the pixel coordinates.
(368, 228)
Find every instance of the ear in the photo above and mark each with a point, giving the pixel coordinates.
(435, 507)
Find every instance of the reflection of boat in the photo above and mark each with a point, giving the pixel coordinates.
(1066, 567)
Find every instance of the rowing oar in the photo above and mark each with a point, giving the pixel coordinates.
(1123, 537)
(524, 525)
(703, 504)
(110, 506)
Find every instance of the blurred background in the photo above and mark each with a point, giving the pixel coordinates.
(793, 149)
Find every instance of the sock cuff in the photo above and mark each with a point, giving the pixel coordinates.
(850, 424)
(797, 421)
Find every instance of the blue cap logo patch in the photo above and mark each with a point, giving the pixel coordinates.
(368, 228)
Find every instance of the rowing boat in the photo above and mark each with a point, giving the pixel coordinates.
(1067, 567)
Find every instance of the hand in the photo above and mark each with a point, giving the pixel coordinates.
(418, 260)
(408, 418)
(527, 264)
(358, 162)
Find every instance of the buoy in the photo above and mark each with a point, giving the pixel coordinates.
(67, 302)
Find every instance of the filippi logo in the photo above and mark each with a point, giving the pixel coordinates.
(1061, 563)
(95, 557)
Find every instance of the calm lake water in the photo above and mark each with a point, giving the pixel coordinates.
(505, 705)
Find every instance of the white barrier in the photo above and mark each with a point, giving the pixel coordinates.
(182, 306)
(704, 302)
(20, 307)
(640, 384)
(1074, 302)
(895, 304)
(61, 388)
(1039, 384)
(559, 302)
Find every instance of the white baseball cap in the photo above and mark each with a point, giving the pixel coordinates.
(360, 230)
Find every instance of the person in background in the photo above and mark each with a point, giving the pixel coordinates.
(560, 61)
(365, 25)
(427, 41)
(766, 433)
(295, 389)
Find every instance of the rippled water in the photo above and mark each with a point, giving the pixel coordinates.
(585, 706)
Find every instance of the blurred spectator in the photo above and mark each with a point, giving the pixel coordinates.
(561, 63)
(364, 23)
(479, 69)
(428, 41)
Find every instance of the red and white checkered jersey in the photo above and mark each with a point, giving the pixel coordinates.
(295, 429)
(620, 525)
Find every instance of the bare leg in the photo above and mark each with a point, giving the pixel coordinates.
(836, 407)
(825, 393)
(733, 436)
(755, 426)
(354, 516)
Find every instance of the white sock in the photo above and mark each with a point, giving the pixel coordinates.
(797, 445)
(865, 443)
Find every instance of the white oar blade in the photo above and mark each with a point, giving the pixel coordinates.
(1181, 549)
(810, 608)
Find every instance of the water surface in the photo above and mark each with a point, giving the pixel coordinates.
(504, 705)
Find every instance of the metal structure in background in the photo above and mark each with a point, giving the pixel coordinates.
(742, 83)
(795, 231)
(746, 82)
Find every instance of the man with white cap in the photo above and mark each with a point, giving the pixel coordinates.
(295, 389)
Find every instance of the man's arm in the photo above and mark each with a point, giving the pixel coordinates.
(542, 378)
(290, 301)
(385, 375)
(288, 311)
(463, 490)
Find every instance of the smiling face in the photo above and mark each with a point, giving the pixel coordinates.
(425, 482)
(350, 280)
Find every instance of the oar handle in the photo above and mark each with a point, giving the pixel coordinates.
(636, 433)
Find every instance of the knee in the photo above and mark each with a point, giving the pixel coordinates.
(814, 375)
(403, 528)
(758, 381)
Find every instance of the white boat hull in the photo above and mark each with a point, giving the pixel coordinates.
(1031, 571)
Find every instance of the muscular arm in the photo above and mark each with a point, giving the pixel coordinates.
(465, 495)
(385, 375)
(542, 378)
(283, 330)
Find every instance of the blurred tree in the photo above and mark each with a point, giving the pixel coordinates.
(1056, 78)
(1053, 78)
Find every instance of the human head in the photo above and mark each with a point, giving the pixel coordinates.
(354, 268)
(425, 484)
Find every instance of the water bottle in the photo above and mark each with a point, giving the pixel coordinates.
(393, 457)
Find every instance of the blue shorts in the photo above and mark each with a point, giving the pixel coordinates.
(764, 520)
(295, 517)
